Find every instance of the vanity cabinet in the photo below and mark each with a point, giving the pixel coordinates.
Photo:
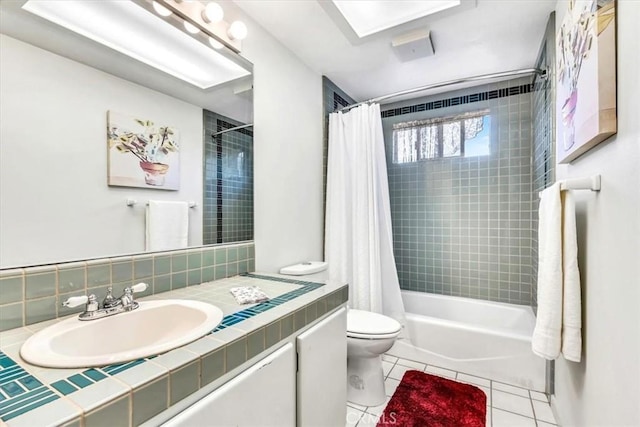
(303, 383)
(322, 373)
(263, 395)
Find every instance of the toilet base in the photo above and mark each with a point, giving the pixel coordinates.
(365, 381)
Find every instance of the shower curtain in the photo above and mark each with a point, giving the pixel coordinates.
(358, 236)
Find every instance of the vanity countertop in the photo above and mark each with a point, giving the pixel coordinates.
(140, 389)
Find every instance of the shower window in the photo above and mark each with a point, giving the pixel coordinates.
(466, 135)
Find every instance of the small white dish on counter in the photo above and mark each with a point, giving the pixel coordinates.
(154, 328)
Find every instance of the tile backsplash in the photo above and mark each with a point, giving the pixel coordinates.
(35, 294)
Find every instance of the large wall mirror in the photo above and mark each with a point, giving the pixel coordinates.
(57, 88)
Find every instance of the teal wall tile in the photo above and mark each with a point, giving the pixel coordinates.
(194, 259)
(39, 310)
(142, 267)
(161, 283)
(221, 256)
(71, 279)
(178, 262)
(161, 265)
(179, 280)
(11, 316)
(184, 382)
(286, 326)
(255, 343)
(220, 272)
(232, 255)
(113, 414)
(236, 354)
(208, 257)
(98, 273)
(213, 366)
(299, 319)
(272, 334)
(150, 400)
(208, 274)
(122, 271)
(194, 277)
(232, 269)
(11, 289)
(39, 283)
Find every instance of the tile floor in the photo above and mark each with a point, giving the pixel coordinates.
(507, 406)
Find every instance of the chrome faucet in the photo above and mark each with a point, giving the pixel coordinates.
(110, 305)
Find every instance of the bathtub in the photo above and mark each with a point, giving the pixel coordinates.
(482, 338)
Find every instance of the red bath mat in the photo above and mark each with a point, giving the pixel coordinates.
(423, 400)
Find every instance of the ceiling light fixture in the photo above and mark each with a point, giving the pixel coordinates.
(237, 30)
(140, 33)
(161, 10)
(212, 13)
(191, 28)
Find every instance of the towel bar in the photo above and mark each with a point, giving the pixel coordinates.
(133, 202)
(589, 183)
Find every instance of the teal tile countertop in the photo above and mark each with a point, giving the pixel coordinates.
(128, 394)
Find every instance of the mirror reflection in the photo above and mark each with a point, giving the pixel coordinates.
(57, 89)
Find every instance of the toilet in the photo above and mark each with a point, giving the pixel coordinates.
(369, 335)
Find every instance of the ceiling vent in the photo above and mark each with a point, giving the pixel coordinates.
(413, 45)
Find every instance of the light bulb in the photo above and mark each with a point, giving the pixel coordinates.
(191, 28)
(215, 43)
(212, 13)
(161, 10)
(237, 30)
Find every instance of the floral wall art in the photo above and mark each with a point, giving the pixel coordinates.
(142, 153)
(586, 77)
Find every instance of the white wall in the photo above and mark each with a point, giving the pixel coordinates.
(54, 199)
(604, 389)
(287, 153)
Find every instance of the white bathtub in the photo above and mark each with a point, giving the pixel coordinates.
(482, 338)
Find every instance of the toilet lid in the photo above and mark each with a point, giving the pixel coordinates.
(367, 323)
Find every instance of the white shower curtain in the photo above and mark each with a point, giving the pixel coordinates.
(358, 236)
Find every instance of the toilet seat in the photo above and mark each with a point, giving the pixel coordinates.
(367, 325)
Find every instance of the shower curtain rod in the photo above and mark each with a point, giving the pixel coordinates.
(522, 72)
(231, 129)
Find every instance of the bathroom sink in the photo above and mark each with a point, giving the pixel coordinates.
(155, 327)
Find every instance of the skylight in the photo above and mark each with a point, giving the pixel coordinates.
(367, 17)
(133, 31)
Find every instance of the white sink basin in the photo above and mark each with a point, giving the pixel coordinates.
(155, 327)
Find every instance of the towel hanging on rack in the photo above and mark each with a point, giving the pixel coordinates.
(167, 225)
(558, 323)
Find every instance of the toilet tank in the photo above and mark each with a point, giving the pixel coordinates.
(309, 270)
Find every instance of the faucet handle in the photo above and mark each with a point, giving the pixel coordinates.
(140, 287)
(76, 301)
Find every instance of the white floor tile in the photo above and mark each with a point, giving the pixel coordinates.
(536, 395)
(464, 378)
(510, 389)
(353, 416)
(543, 424)
(368, 420)
(356, 406)
(488, 418)
(487, 392)
(543, 412)
(441, 372)
(511, 403)
(411, 364)
(389, 358)
(386, 367)
(398, 371)
(378, 410)
(501, 418)
(390, 386)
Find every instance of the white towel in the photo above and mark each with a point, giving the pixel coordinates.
(559, 308)
(546, 335)
(167, 225)
(571, 294)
